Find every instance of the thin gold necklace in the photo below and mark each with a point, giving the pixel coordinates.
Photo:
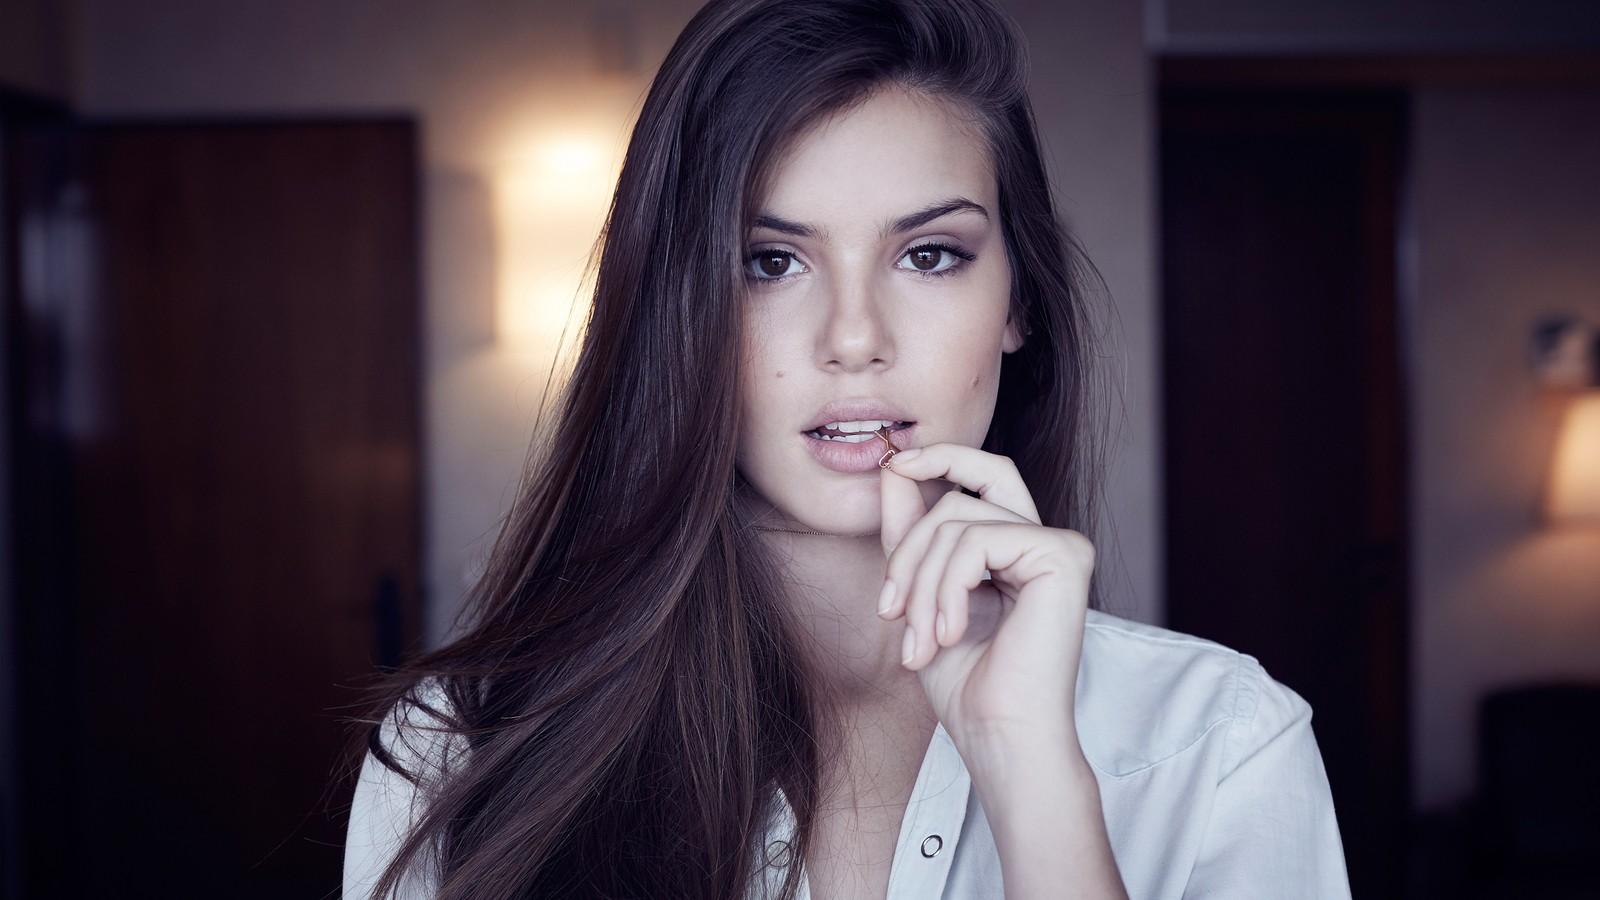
(787, 530)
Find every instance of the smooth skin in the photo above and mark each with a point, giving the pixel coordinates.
(844, 305)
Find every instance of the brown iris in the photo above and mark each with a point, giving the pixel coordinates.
(773, 265)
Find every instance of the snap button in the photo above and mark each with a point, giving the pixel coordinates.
(779, 855)
(931, 845)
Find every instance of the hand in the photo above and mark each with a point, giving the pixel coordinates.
(997, 658)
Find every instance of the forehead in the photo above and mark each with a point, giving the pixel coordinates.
(895, 150)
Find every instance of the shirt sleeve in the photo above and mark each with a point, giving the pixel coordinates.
(387, 805)
(1272, 831)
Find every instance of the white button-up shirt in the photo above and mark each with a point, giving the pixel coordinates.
(1209, 778)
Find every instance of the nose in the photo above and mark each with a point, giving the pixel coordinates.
(856, 335)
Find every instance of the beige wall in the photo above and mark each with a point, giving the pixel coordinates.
(1094, 95)
(1507, 210)
(485, 74)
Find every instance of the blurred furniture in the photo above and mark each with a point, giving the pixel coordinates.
(1538, 829)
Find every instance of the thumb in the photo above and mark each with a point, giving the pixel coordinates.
(902, 506)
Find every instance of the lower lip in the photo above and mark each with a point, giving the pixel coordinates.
(854, 458)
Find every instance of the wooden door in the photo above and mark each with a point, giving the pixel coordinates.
(218, 515)
(1284, 417)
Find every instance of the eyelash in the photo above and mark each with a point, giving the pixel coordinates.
(764, 253)
(963, 256)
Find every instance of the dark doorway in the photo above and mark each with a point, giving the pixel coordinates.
(213, 352)
(1285, 422)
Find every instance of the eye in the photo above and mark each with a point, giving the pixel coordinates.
(773, 264)
(934, 259)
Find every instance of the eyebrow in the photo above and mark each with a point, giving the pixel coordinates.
(903, 224)
(784, 226)
(935, 211)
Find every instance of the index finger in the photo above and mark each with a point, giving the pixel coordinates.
(992, 477)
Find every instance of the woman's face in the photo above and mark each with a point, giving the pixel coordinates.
(878, 292)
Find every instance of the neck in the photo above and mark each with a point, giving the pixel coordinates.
(833, 583)
(875, 718)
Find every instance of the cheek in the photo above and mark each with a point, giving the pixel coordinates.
(762, 388)
(967, 380)
(981, 359)
(754, 369)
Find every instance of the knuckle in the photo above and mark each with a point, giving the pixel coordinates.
(976, 534)
(1079, 547)
(1005, 471)
(973, 541)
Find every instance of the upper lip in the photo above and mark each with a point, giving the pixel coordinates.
(857, 411)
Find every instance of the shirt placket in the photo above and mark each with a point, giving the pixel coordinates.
(931, 828)
(929, 831)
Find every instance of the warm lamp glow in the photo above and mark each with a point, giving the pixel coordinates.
(549, 207)
(1575, 484)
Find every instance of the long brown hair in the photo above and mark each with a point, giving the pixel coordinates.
(627, 685)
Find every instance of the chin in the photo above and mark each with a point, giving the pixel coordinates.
(855, 518)
(853, 526)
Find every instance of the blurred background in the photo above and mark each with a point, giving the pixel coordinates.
(283, 288)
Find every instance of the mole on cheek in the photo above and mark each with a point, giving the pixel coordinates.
(781, 374)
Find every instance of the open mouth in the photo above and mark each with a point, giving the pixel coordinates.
(856, 432)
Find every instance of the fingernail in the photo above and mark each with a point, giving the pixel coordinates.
(908, 647)
(938, 626)
(904, 456)
(886, 597)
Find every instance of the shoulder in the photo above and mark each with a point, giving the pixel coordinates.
(1209, 773)
(419, 750)
(1147, 695)
(419, 733)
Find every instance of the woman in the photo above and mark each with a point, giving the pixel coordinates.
(741, 634)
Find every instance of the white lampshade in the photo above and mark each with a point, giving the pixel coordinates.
(1575, 482)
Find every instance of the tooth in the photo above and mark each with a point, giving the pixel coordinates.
(863, 426)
